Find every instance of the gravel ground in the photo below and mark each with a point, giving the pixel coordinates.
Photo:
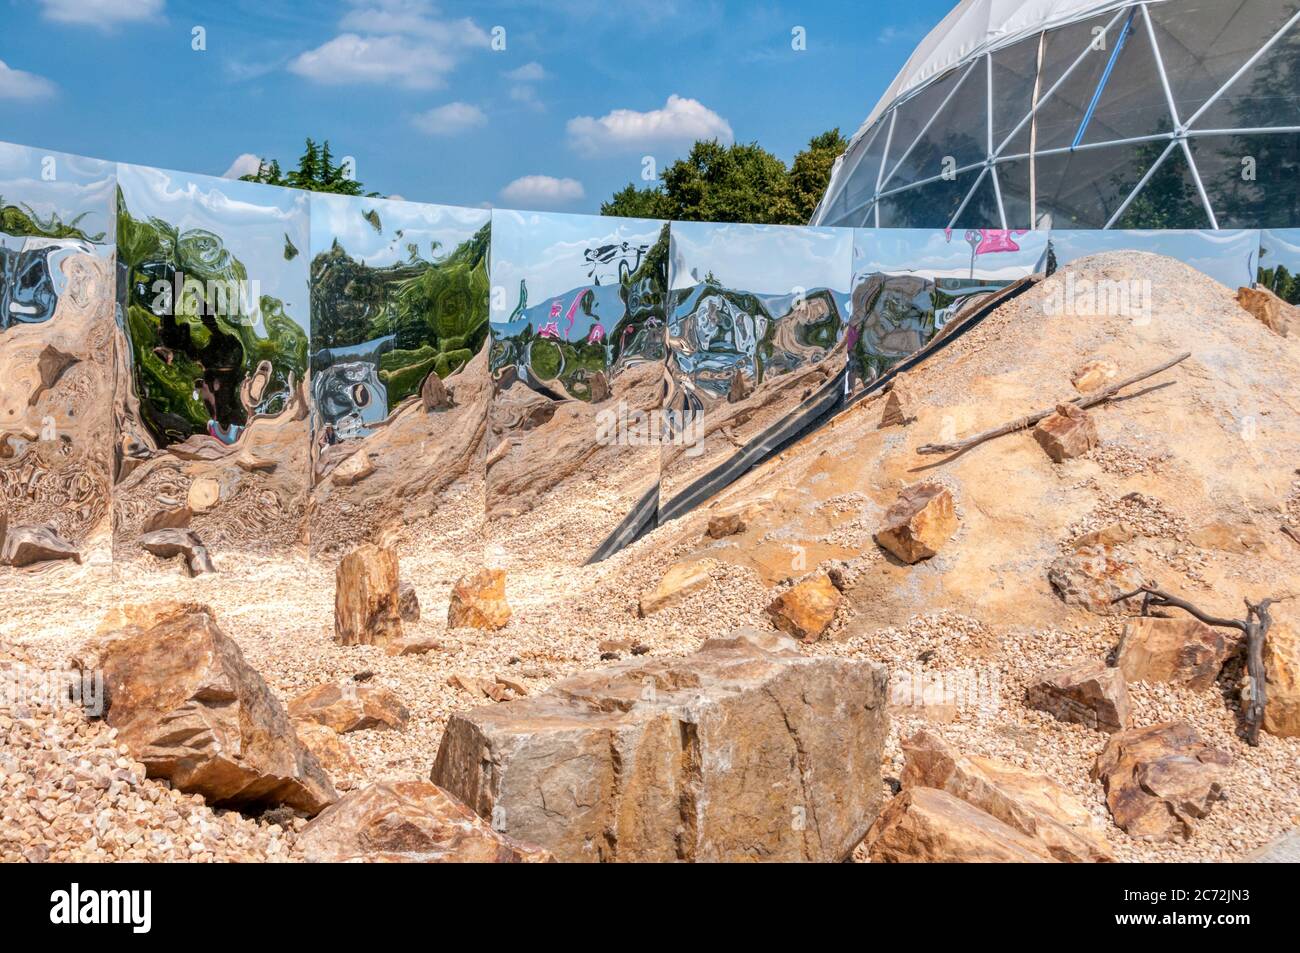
(70, 792)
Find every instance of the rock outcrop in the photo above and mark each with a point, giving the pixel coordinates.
(366, 599)
(1093, 577)
(408, 822)
(478, 601)
(1160, 780)
(1066, 434)
(1031, 803)
(350, 705)
(919, 523)
(927, 825)
(746, 749)
(187, 705)
(1274, 313)
(806, 609)
(1090, 694)
(1282, 668)
(1181, 651)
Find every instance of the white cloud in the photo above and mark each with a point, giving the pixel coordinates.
(542, 191)
(680, 122)
(450, 120)
(528, 73)
(397, 42)
(245, 164)
(17, 84)
(100, 13)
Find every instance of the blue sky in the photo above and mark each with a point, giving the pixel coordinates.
(559, 119)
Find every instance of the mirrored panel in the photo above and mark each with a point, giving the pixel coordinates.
(757, 327)
(577, 357)
(212, 293)
(57, 345)
(1229, 257)
(910, 284)
(399, 382)
(1279, 263)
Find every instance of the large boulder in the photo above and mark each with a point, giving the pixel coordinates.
(927, 825)
(367, 605)
(745, 750)
(1031, 803)
(806, 609)
(350, 705)
(187, 705)
(1160, 779)
(919, 523)
(1090, 694)
(1182, 651)
(408, 822)
(478, 601)
(330, 750)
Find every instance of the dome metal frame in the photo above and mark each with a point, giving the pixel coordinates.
(866, 213)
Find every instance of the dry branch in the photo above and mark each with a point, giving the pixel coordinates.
(1255, 627)
(1024, 423)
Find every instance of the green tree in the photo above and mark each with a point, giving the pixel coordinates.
(316, 172)
(742, 182)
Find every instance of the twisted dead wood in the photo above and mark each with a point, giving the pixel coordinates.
(1024, 423)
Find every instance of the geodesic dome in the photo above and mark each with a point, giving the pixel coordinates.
(1085, 114)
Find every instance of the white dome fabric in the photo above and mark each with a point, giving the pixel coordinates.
(975, 27)
(1130, 114)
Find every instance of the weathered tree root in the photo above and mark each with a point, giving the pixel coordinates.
(1255, 627)
(1024, 423)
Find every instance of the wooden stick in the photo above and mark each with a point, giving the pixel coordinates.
(1024, 423)
(1291, 534)
(1255, 627)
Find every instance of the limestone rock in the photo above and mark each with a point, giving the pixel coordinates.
(1181, 651)
(1066, 434)
(169, 543)
(1094, 375)
(1160, 779)
(411, 822)
(725, 524)
(408, 603)
(926, 825)
(27, 545)
(177, 517)
(1274, 313)
(746, 749)
(807, 608)
(1093, 577)
(204, 494)
(350, 706)
(900, 405)
(187, 705)
(330, 750)
(353, 469)
(919, 523)
(678, 583)
(478, 601)
(1031, 803)
(1090, 694)
(366, 598)
(1282, 668)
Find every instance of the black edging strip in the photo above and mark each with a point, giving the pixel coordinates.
(811, 415)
